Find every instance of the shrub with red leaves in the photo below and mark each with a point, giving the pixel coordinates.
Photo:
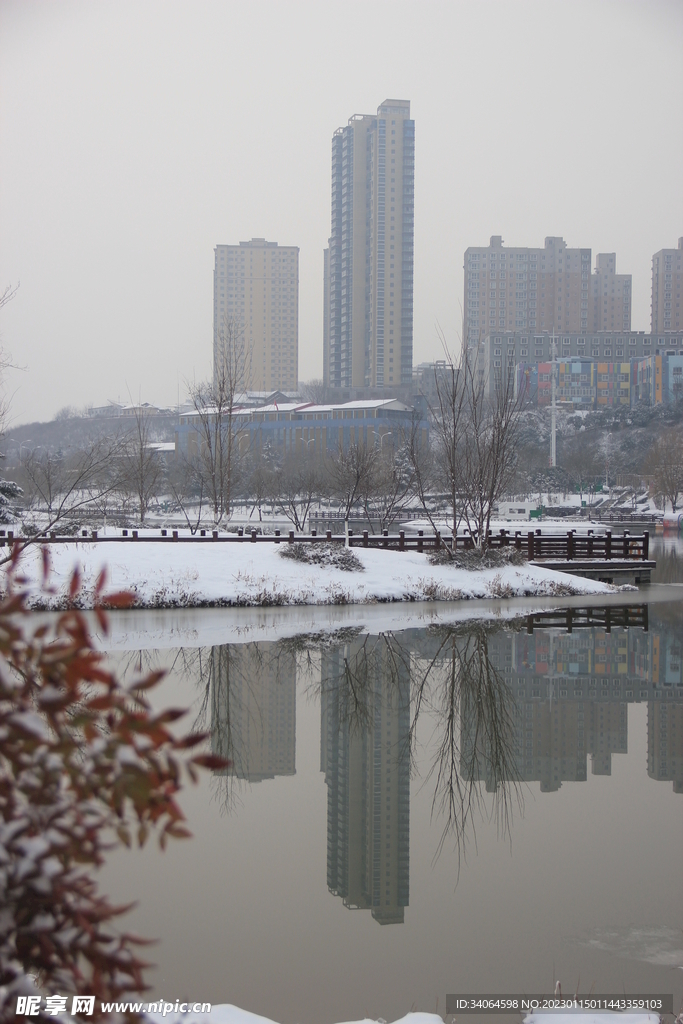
(84, 760)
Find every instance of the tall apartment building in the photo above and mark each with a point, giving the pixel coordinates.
(365, 755)
(549, 289)
(256, 297)
(368, 291)
(667, 278)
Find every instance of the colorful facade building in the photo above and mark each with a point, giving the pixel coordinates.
(576, 383)
(614, 384)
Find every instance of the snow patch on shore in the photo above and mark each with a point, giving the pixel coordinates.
(254, 575)
(228, 1014)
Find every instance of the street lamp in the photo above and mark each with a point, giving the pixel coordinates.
(382, 438)
(21, 444)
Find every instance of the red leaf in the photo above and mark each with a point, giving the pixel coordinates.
(149, 681)
(101, 580)
(75, 584)
(46, 563)
(211, 761)
(121, 599)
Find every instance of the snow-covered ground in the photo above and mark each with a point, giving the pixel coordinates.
(547, 525)
(163, 575)
(228, 1014)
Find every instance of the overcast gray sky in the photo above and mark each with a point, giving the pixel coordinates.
(135, 136)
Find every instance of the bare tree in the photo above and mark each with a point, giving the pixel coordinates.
(315, 391)
(143, 470)
(438, 468)
(388, 490)
(187, 486)
(59, 485)
(296, 486)
(486, 455)
(668, 463)
(6, 296)
(350, 471)
(259, 474)
(216, 452)
(582, 465)
(474, 433)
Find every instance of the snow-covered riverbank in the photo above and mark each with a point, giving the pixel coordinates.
(240, 575)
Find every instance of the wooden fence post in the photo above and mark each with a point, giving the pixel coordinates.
(608, 545)
(530, 545)
(646, 545)
(570, 545)
(401, 540)
(365, 538)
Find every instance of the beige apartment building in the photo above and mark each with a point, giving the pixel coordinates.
(610, 305)
(256, 297)
(368, 266)
(253, 710)
(548, 289)
(667, 277)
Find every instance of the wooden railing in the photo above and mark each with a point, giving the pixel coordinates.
(570, 619)
(538, 547)
(588, 547)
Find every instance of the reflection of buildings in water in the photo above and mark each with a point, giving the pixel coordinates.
(665, 742)
(571, 694)
(364, 753)
(253, 709)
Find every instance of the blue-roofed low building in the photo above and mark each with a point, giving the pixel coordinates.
(294, 427)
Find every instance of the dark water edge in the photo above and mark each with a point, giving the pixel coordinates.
(500, 804)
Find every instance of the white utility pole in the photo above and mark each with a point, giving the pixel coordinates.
(553, 368)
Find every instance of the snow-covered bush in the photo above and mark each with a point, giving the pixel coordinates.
(9, 492)
(319, 553)
(84, 761)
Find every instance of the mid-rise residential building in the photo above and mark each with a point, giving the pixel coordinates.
(665, 739)
(568, 696)
(610, 303)
(256, 305)
(253, 710)
(503, 350)
(667, 278)
(368, 267)
(548, 289)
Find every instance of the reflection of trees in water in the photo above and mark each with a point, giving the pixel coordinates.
(453, 682)
(474, 733)
(444, 676)
(669, 558)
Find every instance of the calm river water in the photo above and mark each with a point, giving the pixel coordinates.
(476, 807)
